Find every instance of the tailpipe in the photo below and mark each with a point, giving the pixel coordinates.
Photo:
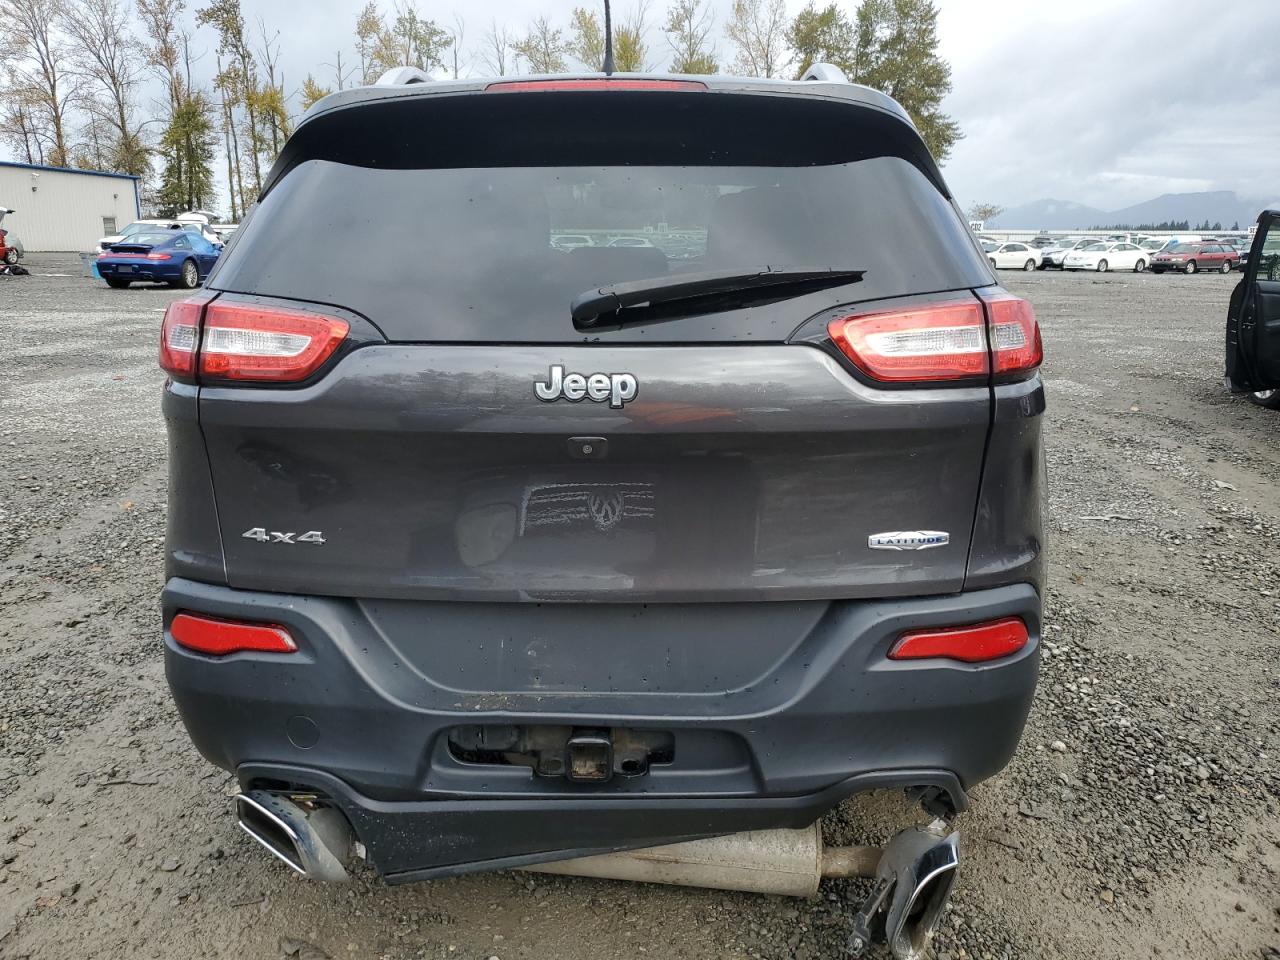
(316, 841)
(913, 883)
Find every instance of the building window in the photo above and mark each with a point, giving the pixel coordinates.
(109, 225)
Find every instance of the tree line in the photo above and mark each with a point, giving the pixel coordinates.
(1168, 225)
(73, 73)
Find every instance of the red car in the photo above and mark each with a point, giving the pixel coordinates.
(8, 254)
(1190, 257)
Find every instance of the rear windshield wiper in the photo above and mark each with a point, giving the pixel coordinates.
(688, 294)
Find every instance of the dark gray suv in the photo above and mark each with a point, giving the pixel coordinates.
(495, 541)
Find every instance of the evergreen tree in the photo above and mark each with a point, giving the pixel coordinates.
(188, 146)
(891, 45)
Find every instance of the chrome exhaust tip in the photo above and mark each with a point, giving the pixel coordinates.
(316, 842)
(913, 883)
(924, 875)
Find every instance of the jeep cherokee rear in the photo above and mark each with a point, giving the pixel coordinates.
(505, 580)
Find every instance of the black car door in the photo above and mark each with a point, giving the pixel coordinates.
(1253, 320)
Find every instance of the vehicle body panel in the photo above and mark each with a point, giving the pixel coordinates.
(456, 540)
(1253, 317)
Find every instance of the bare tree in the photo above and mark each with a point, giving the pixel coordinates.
(160, 21)
(341, 74)
(269, 99)
(688, 29)
(456, 33)
(111, 60)
(758, 29)
(497, 49)
(985, 211)
(38, 56)
(224, 82)
(19, 125)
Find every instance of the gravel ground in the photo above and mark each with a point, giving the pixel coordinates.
(1141, 816)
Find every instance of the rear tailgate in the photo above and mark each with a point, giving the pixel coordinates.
(747, 466)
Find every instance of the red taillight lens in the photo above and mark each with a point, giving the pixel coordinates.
(217, 638)
(935, 341)
(975, 644)
(603, 83)
(178, 336)
(249, 342)
(1015, 336)
(159, 256)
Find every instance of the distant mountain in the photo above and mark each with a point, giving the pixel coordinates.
(1049, 215)
(1221, 206)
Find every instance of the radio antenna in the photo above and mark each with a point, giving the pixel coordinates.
(608, 66)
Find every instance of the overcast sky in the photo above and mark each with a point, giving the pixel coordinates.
(1099, 102)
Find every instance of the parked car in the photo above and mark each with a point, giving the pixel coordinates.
(1014, 256)
(1105, 255)
(1241, 245)
(570, 241)
(601, 551)
(10, 249)
(1253, 319)
(1190, 257)
(1053, 256)
(175, 257)
(150, 226)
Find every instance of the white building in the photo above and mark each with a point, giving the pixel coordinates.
(65, 210)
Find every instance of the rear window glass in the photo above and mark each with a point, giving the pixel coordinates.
(499, 253)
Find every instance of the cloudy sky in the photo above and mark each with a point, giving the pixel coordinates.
(1099, 102)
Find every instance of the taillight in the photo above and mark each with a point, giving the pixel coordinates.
(1015, 336)
(178, 336)
(975, 644)
(601, 83)
(249, 342)
(217, 638)
(159, 256)
(934, 341)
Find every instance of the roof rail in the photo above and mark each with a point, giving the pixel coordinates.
(825, 72)
(398, 76)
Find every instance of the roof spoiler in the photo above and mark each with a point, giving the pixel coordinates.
(399, 76)
(825, 73)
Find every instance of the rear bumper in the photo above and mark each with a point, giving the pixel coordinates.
(349, 715)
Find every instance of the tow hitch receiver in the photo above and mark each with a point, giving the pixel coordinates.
(581, 754)
(590, 757)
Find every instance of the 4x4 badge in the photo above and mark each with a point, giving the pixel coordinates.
(617, 388)
(908, 540)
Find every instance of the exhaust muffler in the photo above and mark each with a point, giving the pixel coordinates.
(780, 862)
(317, 841)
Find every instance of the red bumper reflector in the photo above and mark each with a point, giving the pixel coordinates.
(975, 644)
(218, 638)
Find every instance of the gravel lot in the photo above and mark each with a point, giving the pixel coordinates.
(1140, 818)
